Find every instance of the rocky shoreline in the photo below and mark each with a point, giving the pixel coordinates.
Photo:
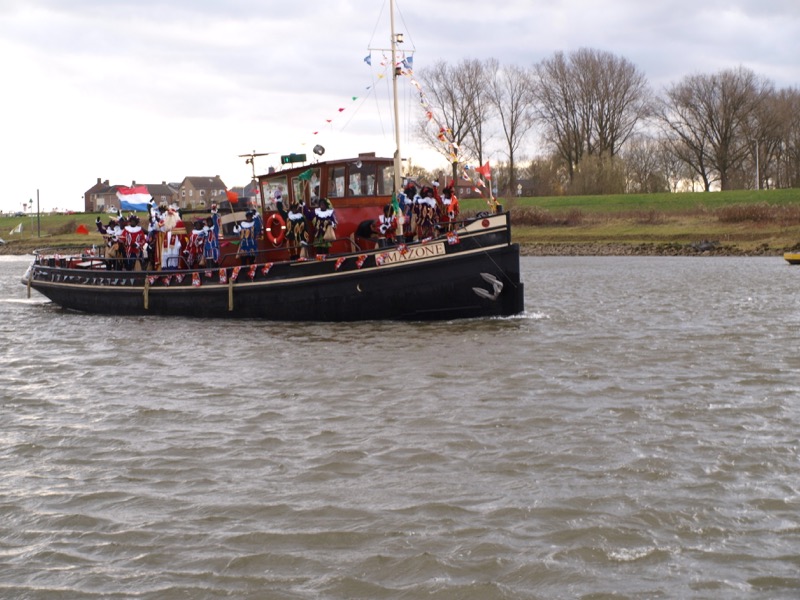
(661, 249)
(579, 249)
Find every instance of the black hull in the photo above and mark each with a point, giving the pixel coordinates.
(435, 281)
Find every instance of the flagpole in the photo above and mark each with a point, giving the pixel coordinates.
(38, 219)
(398, 181)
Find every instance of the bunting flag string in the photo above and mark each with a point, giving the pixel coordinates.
(339, 263)
(196, 280)
(265, 269)
(251, 272)
(405, 64)
(223, 276)
(235, 273)
(445, 135)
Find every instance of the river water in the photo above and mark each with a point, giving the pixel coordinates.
(634, 435)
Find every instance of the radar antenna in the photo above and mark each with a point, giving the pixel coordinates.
(251, 160)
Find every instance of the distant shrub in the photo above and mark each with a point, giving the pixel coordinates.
(759, 213)
(646, 217)
(535, 216)
(64, 229)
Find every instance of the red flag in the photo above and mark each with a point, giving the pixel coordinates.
(485, 170)
(232, 196)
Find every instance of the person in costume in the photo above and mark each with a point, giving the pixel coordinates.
(406, 200)
(247, 239)
(211, 238)
(173, 241)
(387, 227)
(450, 208)
(323, 225)
(258, 224)
(426, 210)
(296, 232)
(133, 240)
(194, 250)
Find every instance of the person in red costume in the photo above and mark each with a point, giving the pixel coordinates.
(450, 208)
(133, 239)
(387, 227)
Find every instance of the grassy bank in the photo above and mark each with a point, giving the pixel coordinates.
(765, 222)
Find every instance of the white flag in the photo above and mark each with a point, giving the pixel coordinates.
(17, 229)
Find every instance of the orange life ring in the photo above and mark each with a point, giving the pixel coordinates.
(275, 223)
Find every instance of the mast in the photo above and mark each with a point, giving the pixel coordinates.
(396, 38)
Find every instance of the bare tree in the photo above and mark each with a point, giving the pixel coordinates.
(452, 96)
(475, 80)
(556, 95)
(644, 172)
(789, 151)
(706, 117)
(589, 103)
(511, 94)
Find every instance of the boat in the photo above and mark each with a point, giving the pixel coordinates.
(466, 269)
(793, 258)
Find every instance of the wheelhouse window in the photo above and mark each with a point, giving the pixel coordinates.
(336, 182)
(361, 179)
(307, 190)
(273, 190)
(385, 180)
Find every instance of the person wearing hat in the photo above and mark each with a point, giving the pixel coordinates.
(296, 232)
(387, 227)
(426, 210)
(450, 208)
(133, 240)
(211, 240)
(194, 251)
(247, 239)
(174, 239)
(323, 222)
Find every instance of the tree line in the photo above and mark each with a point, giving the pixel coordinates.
(601, 128)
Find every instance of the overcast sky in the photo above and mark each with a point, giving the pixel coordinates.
(155, 90)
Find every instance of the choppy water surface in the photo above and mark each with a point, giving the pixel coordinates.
(634, 435)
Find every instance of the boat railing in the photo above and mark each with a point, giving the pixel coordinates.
(84, 265)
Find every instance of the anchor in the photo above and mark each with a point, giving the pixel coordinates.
(496, 284)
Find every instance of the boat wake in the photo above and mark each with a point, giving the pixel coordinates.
(24, 301)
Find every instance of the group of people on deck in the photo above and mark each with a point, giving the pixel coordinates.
(310, 230)
(165, 244)
(426, 213)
